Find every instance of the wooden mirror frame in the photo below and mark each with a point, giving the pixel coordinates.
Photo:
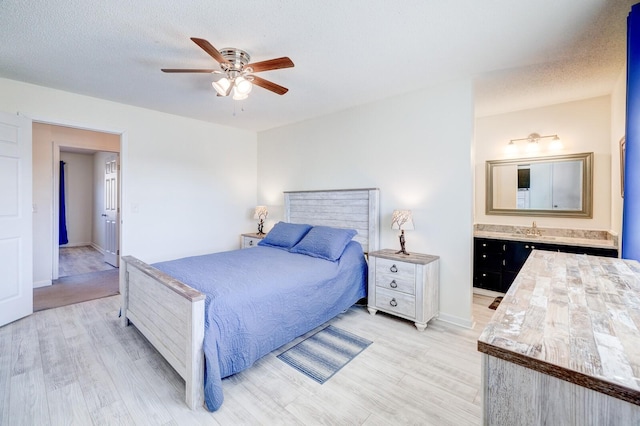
(587, 187)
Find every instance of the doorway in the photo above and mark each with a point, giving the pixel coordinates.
(79, 262)
(87, 225)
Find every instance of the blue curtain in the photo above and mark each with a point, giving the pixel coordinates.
(63, 239)
(631, 204)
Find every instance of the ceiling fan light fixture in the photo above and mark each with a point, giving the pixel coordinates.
(236, 73)
(222, 86)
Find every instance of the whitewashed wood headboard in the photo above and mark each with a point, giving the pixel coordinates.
(341, 208)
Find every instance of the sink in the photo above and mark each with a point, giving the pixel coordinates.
(533, 237)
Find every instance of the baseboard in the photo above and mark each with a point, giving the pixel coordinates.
(75, 245)
(97, 247)
(42, 283)
(483, 292)
(461, 322)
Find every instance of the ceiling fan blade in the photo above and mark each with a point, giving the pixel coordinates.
(212, 51)
(185, 70)
(271, 64)
(266, 84)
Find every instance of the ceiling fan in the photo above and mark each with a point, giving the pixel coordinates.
(237, 73)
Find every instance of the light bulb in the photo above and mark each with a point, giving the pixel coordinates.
(556, 144)
(532, 146)
(243, 86)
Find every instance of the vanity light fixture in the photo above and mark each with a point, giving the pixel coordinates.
(261, 213)
(532, 141)
(402, 219)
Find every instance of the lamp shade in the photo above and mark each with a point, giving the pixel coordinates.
(222, 86)
(402, 219)
(261, 212)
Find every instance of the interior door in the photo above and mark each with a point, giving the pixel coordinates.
(16, 218)
(111, 210)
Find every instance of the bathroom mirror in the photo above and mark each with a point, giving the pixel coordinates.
(559, 185)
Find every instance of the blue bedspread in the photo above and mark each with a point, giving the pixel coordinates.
(260, 298)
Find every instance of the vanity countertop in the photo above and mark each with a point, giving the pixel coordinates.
(573, 317)
(549, 239)
(564, 236)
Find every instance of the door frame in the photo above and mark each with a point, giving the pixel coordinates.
(56, 179)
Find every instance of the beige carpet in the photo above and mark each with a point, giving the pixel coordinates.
(76, 289)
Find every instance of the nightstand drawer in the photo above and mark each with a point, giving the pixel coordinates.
(395, 283)
(394, 301)
(251, 242)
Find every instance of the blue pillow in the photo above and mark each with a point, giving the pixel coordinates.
(285, 235)
(324, 242)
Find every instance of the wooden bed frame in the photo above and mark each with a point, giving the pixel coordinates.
(170, 314)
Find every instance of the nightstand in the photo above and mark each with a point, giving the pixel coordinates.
(406, 286)
(250, 240)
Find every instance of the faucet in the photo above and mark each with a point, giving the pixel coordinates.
(533, 231)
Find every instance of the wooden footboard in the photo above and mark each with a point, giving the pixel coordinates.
(170, 315)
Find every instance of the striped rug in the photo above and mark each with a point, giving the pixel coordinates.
(322, 355)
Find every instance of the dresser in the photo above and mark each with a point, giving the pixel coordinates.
(250, 239)
(406, 286)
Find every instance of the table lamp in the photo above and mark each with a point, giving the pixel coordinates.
(402, 219)
(261, 213)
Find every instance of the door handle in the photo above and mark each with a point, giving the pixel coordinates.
(103, 215)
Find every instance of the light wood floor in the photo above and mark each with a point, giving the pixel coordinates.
(81, 260)
(76, 365)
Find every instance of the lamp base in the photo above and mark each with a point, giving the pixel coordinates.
(402, 241)
(261, 227)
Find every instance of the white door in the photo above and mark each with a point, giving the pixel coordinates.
(16, 218)
(567, 176)
(111, 210)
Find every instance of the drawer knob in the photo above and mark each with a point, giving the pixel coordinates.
(393, 268)
(484, 256)
(393, 302)
(250, 242)
(393, 284)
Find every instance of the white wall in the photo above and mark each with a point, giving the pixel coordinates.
(188, 185)
(416, 148)
(79, 197)
(583, 126)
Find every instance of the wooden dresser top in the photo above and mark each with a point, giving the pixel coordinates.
(574, 317)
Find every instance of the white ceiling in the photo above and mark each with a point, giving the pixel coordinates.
(521, 54)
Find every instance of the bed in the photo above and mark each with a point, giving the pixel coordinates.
(247, 316)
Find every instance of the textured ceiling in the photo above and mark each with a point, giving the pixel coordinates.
(521, 54)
